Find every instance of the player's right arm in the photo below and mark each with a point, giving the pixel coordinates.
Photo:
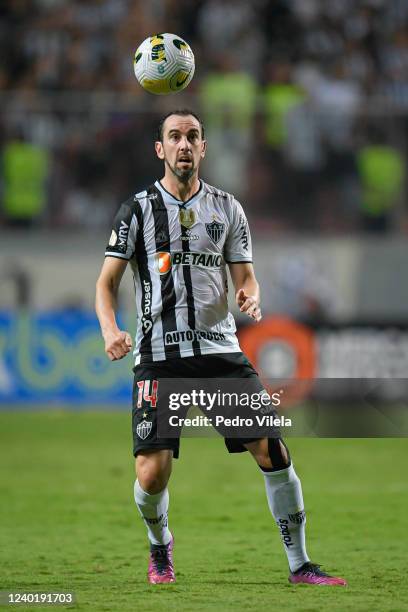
(117, 343)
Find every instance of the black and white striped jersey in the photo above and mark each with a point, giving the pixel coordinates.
(178, 253)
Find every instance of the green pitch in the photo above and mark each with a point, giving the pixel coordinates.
(68, 521)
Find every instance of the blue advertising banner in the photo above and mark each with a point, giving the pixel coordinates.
(58, 357)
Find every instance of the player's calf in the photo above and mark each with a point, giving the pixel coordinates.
(151, 494)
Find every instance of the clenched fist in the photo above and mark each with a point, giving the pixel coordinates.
(117, 344)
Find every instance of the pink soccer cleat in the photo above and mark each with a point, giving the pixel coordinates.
(310, 573)
(161, 569)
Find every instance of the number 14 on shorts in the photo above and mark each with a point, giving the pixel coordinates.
(147, 392)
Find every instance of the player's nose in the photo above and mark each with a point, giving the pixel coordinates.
(184, 144)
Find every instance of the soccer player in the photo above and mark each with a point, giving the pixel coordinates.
(178, 236)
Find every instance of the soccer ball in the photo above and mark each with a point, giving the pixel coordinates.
(164, 64)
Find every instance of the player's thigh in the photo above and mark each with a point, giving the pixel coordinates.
(153, 469)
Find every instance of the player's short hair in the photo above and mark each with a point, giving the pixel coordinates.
(181, 112)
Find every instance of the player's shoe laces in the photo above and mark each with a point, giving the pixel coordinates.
(310, 573)
(161, 568)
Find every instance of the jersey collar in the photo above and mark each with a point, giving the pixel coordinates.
(170, 199)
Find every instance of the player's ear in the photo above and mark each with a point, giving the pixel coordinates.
(159, 149)
(203, 149)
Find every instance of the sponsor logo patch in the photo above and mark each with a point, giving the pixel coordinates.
(123, 236)
(146, 321)
(190, 236)
(202, 260)
(174, 337)
(143, 429)
(243, 232)
(165, 260)
(146, 325)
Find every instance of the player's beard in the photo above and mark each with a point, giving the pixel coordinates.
(182, 175)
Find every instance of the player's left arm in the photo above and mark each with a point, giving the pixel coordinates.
(246, 286)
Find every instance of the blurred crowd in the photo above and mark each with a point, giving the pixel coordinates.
(305, 104)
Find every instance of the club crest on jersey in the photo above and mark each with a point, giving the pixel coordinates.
(215, 230)
(187, 217)
(143, 429)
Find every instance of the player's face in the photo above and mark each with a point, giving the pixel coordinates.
(183, 147)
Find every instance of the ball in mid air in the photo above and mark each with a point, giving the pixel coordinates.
(164, 64)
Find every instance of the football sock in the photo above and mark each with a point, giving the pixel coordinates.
(153, 509)
(284, 493)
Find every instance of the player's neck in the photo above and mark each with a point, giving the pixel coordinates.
(180, 190)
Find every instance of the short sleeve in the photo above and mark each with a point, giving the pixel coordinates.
(122, 241)
(238, 246)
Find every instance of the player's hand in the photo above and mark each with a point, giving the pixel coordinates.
(117, 344)
(249, 304)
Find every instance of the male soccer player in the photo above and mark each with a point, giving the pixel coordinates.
(179, 235)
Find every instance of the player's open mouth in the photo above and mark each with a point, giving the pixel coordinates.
(185, 160)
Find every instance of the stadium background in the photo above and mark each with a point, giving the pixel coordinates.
(305, 105)
(306, 110)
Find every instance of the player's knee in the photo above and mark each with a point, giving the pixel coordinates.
(278, 453)
(152, 481)
(271, 454)
(152, 474)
